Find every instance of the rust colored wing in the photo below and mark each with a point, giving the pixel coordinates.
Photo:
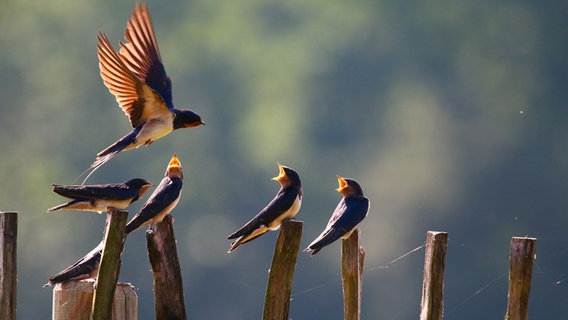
(141, 54)
(138, 101)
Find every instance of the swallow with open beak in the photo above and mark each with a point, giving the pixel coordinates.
(85, 268)
(162, 201)
(285, 205)
(136, 77)
(350, 211)
(99, 197)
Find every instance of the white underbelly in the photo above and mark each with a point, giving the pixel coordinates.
(153, 130)
(291, 213)
(115, 204)
(162, 214)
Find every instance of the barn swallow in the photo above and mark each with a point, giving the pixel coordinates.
(99, 197)
(85, 268)
(285, 205)
(162, 201)
(350, 211)
(137, 78)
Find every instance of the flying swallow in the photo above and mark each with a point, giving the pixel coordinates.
(85, 268)
(162, 201)
(99, 197)
(350, 211)
(136, 77)
(285, 204)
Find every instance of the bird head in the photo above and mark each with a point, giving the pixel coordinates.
(187, 119)
(142, 185)
(287, 176)
(174, 169)
(348, 187)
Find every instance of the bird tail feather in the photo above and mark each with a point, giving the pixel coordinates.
(99, 162)
(324, 239)
(242, 240)
(61, 206)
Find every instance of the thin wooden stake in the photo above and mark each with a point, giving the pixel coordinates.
(281, 275)
(432, 306)
(168, 286)
(109, 268)
(352, 261)
(521, 259)
(8, 266)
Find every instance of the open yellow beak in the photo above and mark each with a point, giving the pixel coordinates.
(342, 184)
(174, 168)
(281, 173)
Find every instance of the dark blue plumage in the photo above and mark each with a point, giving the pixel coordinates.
(162, 201)
(99, 197)
(350, 211)
(285, 204)
(85, 268)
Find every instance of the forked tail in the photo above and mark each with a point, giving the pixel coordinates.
(109, 153)
(99, 162)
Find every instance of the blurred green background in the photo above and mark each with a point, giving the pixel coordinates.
(451, 115)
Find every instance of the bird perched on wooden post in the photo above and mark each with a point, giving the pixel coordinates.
(163, 200)
(99, 197)
(85, 268)
(350, 211)
(285, 205)
(137, 78)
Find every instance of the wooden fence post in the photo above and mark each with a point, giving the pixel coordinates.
(168, 285)
(521, 259)
(432, 305)
(109, 268)
(352, 261)
(8, 266)
(281, 275)
(74, 299)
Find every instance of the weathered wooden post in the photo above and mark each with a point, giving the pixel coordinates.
(74, 299)
(352, 262)
(8, 266)
(168, 285)
(521, 259)
(281, 275)
(432, 306)
(109, 268)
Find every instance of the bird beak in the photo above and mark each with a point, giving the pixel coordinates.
(281, 174)
(342, 184)
(174, 168)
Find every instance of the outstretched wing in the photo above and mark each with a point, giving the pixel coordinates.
(141, 54)
(138, 101)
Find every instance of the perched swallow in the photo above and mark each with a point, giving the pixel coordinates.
(85, 268)
(162, 201)
(137, 78)
(99, 197)
(350, 211)
(285, 204)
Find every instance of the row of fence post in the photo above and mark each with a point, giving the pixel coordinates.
(168, 287)
(521, 259)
